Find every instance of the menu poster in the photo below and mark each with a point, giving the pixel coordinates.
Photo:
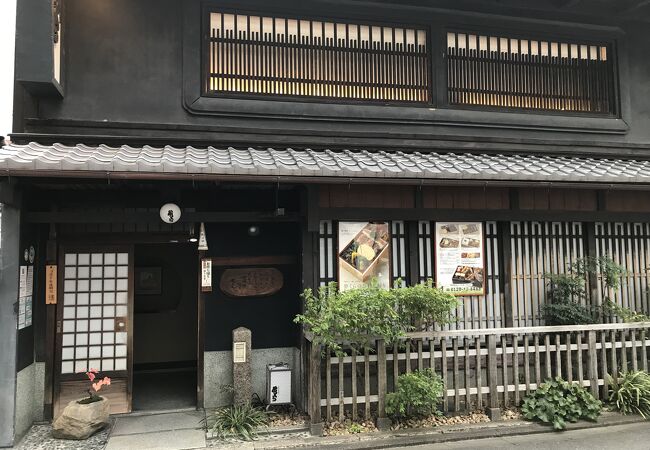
(363, 254)
(460, 262)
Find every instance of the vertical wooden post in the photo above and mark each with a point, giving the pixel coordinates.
(200, 336)
(413, 252)
(506, 271)
(493, 409)
(383, 422)
(592, 279)
(592, 362)
(51, 257)
(316, 423)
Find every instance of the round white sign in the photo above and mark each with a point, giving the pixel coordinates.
(170, 213)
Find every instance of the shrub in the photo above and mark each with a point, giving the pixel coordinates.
(625, 314)
(240, 421)
(416, 394)
(557, 402)
(359, 316)
(630, 394)
(566, 293)
(423, 304)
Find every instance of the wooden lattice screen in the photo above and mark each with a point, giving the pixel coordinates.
(537, 249)
(308, 58)
(499, 71)
(628, 244)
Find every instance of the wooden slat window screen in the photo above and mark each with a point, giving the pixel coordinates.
(534, 74)
(628, 244)
(538, 249)
(307, 58)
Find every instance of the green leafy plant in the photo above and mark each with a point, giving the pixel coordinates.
(239, 421)
(357, 317)
(423, 305)
(630, 394)
(566, 297)
(557, 402)
(355, 428)
(566, 293)
(416, 394)
(625, 314)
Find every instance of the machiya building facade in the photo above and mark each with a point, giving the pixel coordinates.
(479, 144)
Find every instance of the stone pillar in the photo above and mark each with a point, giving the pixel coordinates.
(9, 261)
(242, 374)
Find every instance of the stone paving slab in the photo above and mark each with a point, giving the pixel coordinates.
(127, 425)
(162, 440)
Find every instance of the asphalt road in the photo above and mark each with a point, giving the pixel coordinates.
(634, 436)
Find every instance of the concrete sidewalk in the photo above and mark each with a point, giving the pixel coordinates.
(447, 435)
(177, 430)
(635, 436)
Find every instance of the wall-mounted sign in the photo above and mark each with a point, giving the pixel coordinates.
(364, 254)
(206, 275)
(251, 282)
(25, 291)
(239, 352)
(460, 265)
(50, 284)
(170, 213)
(203, 239)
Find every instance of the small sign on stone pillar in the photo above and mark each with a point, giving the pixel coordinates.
(242, 374)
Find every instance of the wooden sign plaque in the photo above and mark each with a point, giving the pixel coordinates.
(251, 282)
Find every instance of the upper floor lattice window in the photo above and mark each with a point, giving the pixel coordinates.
(307, 58)
(496, 71)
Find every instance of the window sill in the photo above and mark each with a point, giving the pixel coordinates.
(415, 114)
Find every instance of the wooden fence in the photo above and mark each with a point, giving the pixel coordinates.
(480, 368)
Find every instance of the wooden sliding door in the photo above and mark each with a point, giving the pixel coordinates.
(94, 323)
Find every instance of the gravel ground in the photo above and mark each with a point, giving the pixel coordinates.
(39, 437)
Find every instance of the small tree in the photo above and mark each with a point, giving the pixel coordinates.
(567, 296)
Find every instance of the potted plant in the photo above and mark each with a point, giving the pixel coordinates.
(82, 418)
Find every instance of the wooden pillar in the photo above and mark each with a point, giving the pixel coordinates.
(316, 422)
(383, 422)
(592, 279)
(494, 412)
(200, 337)
(413, 251)
(592, 362)
(51, 256)
(505, 263)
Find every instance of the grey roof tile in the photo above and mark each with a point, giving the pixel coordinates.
(308, 162)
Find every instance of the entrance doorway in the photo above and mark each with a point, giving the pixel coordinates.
(165, 326)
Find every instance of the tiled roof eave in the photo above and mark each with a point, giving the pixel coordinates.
(360, 166)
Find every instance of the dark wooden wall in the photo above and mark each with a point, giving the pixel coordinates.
(125, 75)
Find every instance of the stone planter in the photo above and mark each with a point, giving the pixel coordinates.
(80, 421)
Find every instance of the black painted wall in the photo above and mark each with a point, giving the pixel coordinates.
(270, 319)
(126, 64)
